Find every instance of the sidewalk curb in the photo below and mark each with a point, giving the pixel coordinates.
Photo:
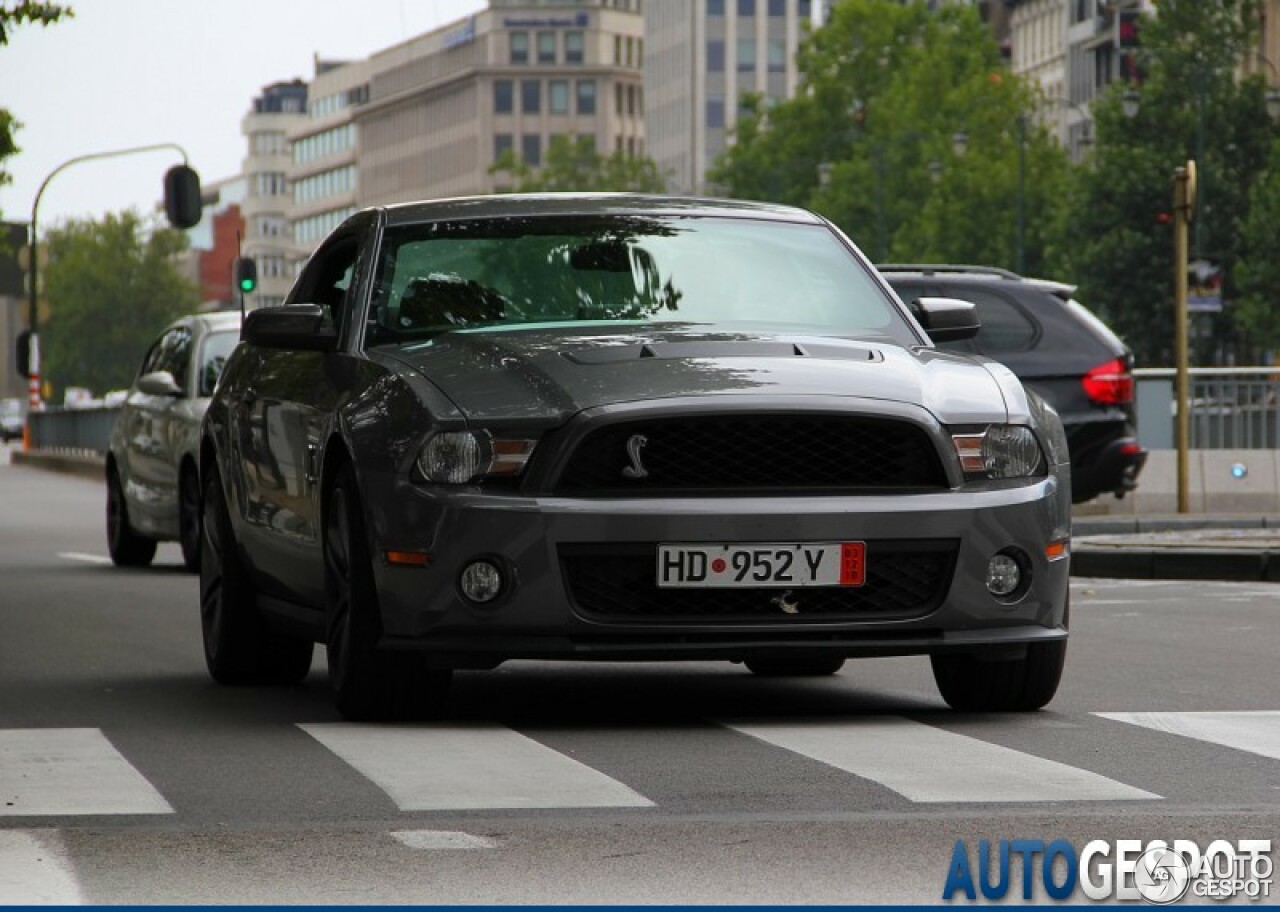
(85, 464)
(1172, 563)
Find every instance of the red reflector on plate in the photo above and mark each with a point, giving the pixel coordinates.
(853, 563)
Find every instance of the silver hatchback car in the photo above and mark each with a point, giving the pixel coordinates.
(153, 486)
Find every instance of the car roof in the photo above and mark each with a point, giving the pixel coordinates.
(975, 275)
(509, 205)
(202, 324)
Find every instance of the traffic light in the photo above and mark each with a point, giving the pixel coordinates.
(24, 353)
(246, 275)
(182, 203)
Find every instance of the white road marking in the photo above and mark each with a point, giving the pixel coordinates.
(84, 558)
(927, 764)
(34, 870)
(449, 767)
(69, 772)
(1256, 732)
(442, 839)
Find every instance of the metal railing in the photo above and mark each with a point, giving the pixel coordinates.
(80, 430)
(1231, 408)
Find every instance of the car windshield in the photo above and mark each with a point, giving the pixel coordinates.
(213, 357)
(733, 273)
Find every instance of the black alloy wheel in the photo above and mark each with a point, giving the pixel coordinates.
(369, 684)
(239, 648)
(127, 548)
(813, 666)
(189, 511)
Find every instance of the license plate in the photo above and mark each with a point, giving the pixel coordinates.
(762, 566)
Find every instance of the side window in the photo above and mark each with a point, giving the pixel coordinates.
(177, 357)
(327, 279)
(1006, 327)
(172, 353)
(151, 360)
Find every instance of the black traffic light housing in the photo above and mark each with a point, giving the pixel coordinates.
(24, 353)
(246, 274)
(182, 203)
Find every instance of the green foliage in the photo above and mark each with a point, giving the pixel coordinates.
(111, 286)
(1259, 271)
(1111, 239)
(572, 163)
(890, 86)
(26, 11)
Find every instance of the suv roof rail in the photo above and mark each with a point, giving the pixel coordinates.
(934, 268)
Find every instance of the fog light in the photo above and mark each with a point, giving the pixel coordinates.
(481, 581)
(1003, 576)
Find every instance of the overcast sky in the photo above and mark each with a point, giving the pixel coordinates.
(136, 72)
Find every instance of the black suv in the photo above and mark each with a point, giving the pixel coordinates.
(1057, 348)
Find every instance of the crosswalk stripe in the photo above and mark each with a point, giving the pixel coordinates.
(459, 767)
(927, 764)
(34, 870)
(70, 771)
(1257, 732)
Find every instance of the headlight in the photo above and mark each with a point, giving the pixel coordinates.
(999, 451)
(460, 457)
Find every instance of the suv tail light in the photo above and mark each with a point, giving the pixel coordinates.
(1110, 383)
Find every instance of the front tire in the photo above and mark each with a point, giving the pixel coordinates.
(127, 548)
(369, 684)
(969, 684)
(239, 648)
(189, 510)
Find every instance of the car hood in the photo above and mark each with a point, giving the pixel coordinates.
(550, 374)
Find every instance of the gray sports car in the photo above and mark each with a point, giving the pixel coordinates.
(624, 428)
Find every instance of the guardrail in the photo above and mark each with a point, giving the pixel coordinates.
(1231, 408)
(79, 430)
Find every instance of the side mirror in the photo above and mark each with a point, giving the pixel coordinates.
(159, 383)
(297, 326)
(946, 319)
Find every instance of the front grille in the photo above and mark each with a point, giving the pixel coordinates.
(905, 579)
(754, 453)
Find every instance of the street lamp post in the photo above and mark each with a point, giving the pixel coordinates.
(35, 400)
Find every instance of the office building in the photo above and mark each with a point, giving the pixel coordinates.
(267, 206)
(702, 56)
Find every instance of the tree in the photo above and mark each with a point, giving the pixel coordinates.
(111, 285)
(889, 86)
(11, 14)
(1115, 239)
(572, 163)
(1259, 272)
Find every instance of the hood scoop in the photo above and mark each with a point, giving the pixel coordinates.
(617, 354)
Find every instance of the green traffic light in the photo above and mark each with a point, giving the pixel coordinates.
(247, 285)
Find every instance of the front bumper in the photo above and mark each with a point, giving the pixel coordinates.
(538, 616)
